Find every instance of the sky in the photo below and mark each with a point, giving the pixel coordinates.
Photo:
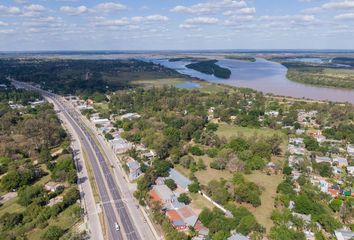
(34, 25)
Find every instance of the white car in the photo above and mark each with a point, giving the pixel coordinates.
(117, 226)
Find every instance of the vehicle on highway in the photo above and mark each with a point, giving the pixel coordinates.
(116, 225)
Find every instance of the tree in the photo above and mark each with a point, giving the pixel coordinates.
(10, 220)
(287, 170)
(53, 233)
(29, 194)
(196, 151)
(184, 198)
(336, 204)
(311, 143)
(324, 169)
(44, 155)
(186, 161)
(171, 184)
(108, 136)
(194, 187)
(284, 233)
(212, 127)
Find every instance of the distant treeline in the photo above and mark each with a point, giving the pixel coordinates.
(241, 58)
(210, 67)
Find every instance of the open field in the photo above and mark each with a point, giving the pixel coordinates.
(269, 186)
(199, 202)
(229, 131)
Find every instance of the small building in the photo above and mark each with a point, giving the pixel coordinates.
(134, 169)
(323, 159)
(344, 234)
(340, 161)
(350, 150)
(350, 170)
(119, 145)
(101, 121)
(130, 116)
(52, 186)
(181, 181)
(272, 113)
(237, 236)
(56, 200)
(296, 141)
(161, 194)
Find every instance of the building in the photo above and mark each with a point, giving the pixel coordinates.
(350, 170)
(182, 218)
(181, 181)
(134, 169)
(350, 150)
(119, 145)
(344, 234)
(130, 116)
(296, 141)
(340, 161)
(237, 236)
(323, 159)
(272, 113)
(161, 194)
(52, 186)
(101, 121)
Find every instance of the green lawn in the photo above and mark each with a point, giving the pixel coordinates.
(11, 206)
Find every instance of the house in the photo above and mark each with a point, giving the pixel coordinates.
(181, 181)
(176, 220)
(237, 236)
(272, 113)
(304, 217)
(130, 116)
(182, 218)
(350, 150)
(314, 133)
(161, 194)
(52, 186)
(101, 121)
(350, 170)
(299, 131)
(134, 169)
(320, 138)
(323, 159)
(340, 161)
(296, 141)
(119, 145)
(344, 234)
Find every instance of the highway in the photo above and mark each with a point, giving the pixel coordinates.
(114, 208)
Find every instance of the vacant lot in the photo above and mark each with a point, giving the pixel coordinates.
(269, 186)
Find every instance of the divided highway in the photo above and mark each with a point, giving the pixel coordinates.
(118, 220)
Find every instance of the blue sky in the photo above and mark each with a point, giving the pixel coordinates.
(176, 24)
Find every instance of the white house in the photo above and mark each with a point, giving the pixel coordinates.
(134, 169)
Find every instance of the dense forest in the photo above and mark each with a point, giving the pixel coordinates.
(75, 76)
(210, 67)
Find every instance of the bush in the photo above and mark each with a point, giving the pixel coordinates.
(53, 233)
(194, 187)
(195, 150)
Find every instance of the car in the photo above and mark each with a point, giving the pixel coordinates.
(116, 225)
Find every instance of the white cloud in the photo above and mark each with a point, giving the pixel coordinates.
(210, 6)
(110, 7)
(345, 16)
(3, 24)
(202, 20)
(7, 31)
(151, 18)
(339, 4)
(247, 10)
(9, 10)
(35, 8)
(74, 10)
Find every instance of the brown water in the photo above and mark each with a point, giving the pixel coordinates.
(265, 76)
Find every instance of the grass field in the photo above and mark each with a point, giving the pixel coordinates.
(269, 186)
(199, 202)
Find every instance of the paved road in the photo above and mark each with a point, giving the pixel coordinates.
(113, 206)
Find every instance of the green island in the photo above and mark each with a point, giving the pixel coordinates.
(210, 67)
(316, 74)
(241, 58)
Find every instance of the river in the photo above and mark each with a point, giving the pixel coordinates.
(265, 76)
